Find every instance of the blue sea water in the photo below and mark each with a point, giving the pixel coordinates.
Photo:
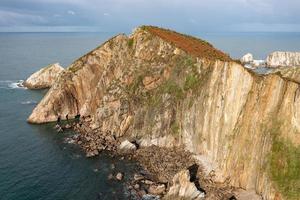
(36, 163)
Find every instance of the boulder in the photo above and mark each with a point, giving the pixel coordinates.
(283, 59)
(127, 146)
(44, 78)
(138, 177)
(119, 176)
(182, 187)
(247, 58)
(157, 189)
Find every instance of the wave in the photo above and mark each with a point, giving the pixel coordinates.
(28, 102)
(12, 84)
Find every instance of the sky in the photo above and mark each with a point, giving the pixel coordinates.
(124, 15)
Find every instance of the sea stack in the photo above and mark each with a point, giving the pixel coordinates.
(44, 78)
(283, 59)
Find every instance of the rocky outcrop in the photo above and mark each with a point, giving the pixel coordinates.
(283, 59)
(247, 58)
(157, 84)
(127, 146)
(44, 78)
(183, 188)
(248, 61)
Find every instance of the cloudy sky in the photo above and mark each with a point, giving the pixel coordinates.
(123, 15)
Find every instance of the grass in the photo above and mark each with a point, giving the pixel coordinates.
(191, 82)
(130, 42)
(74, 68)
(285, 167)
(284, 164)
(172, 88)
(175, 128)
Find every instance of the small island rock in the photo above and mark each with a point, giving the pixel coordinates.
(247, 58)
(44, 78)
(283, 59)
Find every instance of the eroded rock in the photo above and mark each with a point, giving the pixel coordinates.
(44, 78)
(127, 146)
(283, 59)
(183, 188)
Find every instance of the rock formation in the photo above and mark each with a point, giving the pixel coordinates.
(183, 188)
(248, 61)
(247, 58)
(158, 84)
(283, 59)
(44, 78)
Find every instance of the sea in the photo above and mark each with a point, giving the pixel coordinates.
(36, 162)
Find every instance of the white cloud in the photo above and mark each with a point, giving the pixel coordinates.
(10, 18)
(106, 14)
(71, 12)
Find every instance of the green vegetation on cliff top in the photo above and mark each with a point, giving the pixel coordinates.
(284, 165)
(285, 168)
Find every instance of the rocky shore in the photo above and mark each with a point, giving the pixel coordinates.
(166, 173)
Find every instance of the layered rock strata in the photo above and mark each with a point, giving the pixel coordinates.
(158, 87)
(283, 59)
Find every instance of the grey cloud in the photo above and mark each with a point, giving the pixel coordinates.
(185, 15)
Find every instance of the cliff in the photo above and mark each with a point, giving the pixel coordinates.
(283, 59)
(44, 78)
(164, 88)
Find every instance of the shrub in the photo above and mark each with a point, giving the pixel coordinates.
(130, 42)
(191, 82)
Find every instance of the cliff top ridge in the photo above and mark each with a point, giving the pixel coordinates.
(192, 45)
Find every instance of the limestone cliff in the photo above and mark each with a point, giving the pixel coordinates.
(160, 87)
(44, 78)
(283, 59)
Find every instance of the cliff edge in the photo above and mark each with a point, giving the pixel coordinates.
(160, 87)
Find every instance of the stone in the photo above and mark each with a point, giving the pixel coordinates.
(247, 58)
(138, 177)
(119, 176)
(136, 186)
(44, 78)
(148, 182)
(127, 146)
(150, 197)
(68, 126)
(157, 189)
(183, 188)
(283, 59)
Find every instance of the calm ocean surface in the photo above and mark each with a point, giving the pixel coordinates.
(35, 161)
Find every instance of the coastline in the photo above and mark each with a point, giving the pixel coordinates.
(158, 165)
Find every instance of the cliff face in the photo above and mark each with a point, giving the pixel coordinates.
(44, 78)
(280, 59)
(160, 87)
